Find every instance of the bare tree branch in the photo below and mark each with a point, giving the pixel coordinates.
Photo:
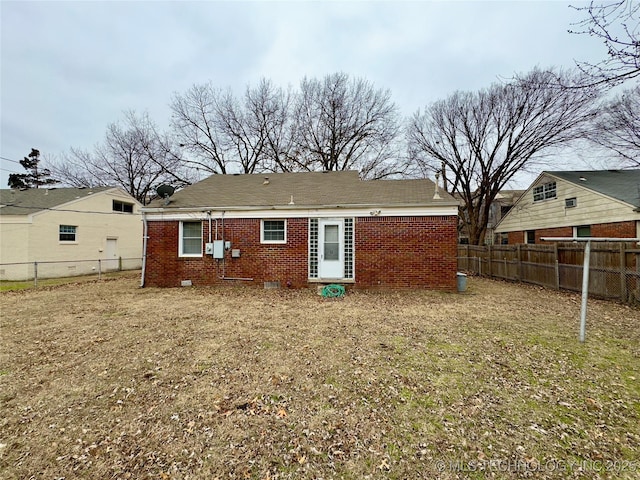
(344, 124)
(617, 25)
(618, 128)
(133, 156)
(479, 141)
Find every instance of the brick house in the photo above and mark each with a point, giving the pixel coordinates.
(597, 203)
(298, 229)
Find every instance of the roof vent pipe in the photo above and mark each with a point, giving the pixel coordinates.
(436, 194)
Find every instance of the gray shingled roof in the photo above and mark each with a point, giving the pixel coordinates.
(32, 200)
(622, 185)
(309, 189)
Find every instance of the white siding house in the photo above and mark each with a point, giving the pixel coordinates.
(602, 203)
(66, 230)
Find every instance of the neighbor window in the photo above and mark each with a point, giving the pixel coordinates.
(273, 231)
(504, 209)
(531, 236)
(190, 244)
(582, 231)
(67, 233)
(544, 191)
(125, 207)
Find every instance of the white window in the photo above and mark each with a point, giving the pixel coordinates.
(570, 202)
(273, 231)
(544, 191)
(190, 241)
(67, 233)
(530, 237)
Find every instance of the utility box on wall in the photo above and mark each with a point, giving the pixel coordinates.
(215, 248)
(218, 249)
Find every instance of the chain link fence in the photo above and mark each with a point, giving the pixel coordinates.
(38, 271)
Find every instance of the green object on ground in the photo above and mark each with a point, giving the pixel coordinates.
(332, 291)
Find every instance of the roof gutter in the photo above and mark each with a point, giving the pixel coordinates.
(145, 236)
(296, 207)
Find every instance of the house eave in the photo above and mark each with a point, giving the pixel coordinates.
(249, 208)
(327, 211)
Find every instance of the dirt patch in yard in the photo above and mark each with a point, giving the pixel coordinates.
(107, 380)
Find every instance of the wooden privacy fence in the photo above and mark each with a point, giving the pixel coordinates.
(614, 268)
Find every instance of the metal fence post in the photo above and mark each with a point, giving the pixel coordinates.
(585, 290)
(623, 273)
(35, 274)
(99, 269)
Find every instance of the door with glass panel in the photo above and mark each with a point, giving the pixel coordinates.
(330, 249)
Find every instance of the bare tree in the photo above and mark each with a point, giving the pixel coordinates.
(75, 169)
(479, 141)
(196, 126)
(334, 124)
(618, 128)
(268, 115)
(270, 111)
(617, 25)
(225, 134)
(343, 124)
(133, 156)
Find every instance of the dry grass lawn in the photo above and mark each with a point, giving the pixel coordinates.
(107, 380)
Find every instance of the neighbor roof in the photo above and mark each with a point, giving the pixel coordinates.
(32, 200)
(622, 185)
(308, 189)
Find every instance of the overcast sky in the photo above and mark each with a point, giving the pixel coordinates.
(68, 69)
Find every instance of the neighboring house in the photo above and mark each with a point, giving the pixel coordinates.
(68, 226)
(498, 209)
(297, 229)
(598, 203)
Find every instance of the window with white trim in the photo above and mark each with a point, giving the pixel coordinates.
(67, 233)
(190, 239)
(273, 231)
(544, 191)
(530, 237)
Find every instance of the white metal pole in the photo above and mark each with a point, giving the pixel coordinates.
(585, 290)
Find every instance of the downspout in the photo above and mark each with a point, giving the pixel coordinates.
(144, 248)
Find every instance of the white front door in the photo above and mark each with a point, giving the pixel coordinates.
(331, 249)
(111, 255)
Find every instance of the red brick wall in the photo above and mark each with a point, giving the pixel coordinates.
(286, 263)
(406, 252)
(389, 252)
(553, 232)
(516, 237)
(612, 230)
